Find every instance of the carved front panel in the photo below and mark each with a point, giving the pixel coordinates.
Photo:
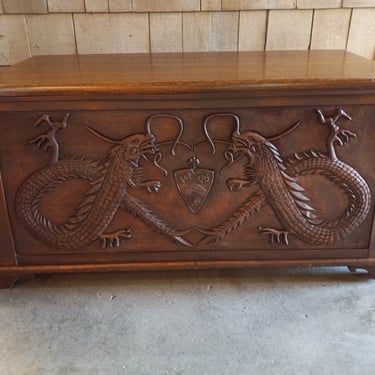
(189, 181)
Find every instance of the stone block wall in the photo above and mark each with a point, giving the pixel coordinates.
(39, 27)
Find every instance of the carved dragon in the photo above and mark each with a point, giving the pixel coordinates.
(279, 188)
(110, 180)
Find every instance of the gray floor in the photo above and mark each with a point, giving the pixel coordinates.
(319, 321)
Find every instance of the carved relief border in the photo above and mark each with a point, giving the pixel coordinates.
(113, 178)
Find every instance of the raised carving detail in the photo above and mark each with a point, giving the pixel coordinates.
(113, 178)
(194, 184)
(110, 180)
(48, 140)
(278, 186)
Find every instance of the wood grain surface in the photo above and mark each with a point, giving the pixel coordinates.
(167, 73)
(186, 160)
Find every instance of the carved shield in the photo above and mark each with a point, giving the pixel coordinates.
(194, 185)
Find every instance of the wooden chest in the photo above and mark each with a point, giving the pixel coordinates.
(177, 161)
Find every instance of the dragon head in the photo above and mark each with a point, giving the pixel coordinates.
(248, 143)
(136, 146)
(132, 147)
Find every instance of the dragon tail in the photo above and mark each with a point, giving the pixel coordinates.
(251, 206)
(138, 209)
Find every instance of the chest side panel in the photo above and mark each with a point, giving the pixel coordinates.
(189, 184)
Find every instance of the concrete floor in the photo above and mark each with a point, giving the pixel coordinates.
(319, 321)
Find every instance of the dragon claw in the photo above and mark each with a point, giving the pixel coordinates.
(41, 141)
(114, 239)
(236, 184)
(48, 140)
(342, 137)
(275, 235)
(338, 136)
(152, 186)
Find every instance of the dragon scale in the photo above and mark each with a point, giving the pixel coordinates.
(112, 179)
(96, 214)
(279, 184)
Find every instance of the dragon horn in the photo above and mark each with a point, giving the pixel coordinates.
(286, 132)
(103, 137)
(205, 127)
(179, 121)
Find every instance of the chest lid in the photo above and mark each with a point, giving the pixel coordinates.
(185, 73)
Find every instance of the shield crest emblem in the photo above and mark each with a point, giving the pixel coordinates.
(194, 186)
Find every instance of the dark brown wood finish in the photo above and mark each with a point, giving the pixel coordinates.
(176, 161)
(7, 254)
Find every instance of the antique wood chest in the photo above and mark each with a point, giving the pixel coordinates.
(179, 161)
